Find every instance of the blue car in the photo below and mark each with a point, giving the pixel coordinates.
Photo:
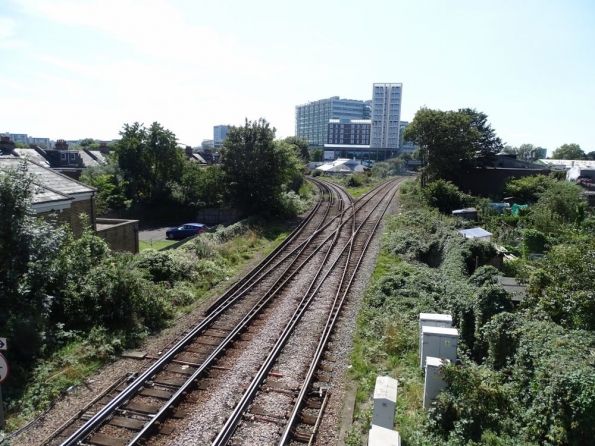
(184, 231)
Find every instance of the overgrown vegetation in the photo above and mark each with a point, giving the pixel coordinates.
(70, 305)
(258, 174)
(527, 373)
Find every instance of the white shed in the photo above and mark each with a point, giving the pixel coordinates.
(477, 233)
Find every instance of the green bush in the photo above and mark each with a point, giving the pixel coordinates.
(161, 266)
(117, 296)
(445, 196)
(533, 242)
(530, 188)
(357, 180)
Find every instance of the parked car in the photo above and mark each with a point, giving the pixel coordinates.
(184, 231)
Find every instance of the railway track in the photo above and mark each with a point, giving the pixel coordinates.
(267, 416)
(258, 307)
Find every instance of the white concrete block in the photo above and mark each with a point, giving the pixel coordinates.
(433, 382)
(385, 401)
(380, 436)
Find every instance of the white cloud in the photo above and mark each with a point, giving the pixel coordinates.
(7, 28)
(157, 29)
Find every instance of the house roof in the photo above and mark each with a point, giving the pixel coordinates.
(50, 184)
(475, 233)
(340, 165)
(567, 164)
(91, 158)
(33, 155)
(512, 286)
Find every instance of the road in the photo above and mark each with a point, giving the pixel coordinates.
(155, 234)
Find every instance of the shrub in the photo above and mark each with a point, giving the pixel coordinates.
(160, 266)
(356, 180)
(116, 296)
(533, 242)
(444, 195)
(530, 188)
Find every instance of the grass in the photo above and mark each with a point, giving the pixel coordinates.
(154, 244)
(358, 191)
(389, 349)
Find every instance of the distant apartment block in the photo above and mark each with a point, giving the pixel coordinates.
(23, 138)
(405, 146)
(207, 144)
(312, 118)
(386, 115)
(219, 134)
(348, 138)
(349, 132)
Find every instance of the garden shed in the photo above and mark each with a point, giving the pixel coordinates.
(477, 233)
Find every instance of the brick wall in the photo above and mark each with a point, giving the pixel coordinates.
(120, 235)
(490, 181)
(71, 216)
(216, 216)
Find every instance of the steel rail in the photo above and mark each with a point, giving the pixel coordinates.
(94, 422)
(234, 419)
(243, 283)
(333, 315)
(133, 388)
(234, 294)
(225, 342)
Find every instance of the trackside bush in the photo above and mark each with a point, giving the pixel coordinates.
(445, 196)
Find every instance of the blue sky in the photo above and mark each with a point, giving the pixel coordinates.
(82, 68)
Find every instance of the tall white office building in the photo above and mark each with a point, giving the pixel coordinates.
(386, 115)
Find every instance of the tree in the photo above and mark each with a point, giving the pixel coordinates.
(256, 166)
(569, 152)
(109, 181)
(28, 250)
(300, 145)
(527, 152)
(316, 155)
(150, 160)
(203, 186)
(452, 141)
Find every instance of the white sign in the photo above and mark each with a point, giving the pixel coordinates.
(3, 369)
(3, 345)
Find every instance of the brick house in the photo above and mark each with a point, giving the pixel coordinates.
(57, 197)
(61, 199)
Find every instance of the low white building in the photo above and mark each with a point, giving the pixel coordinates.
(342, 166)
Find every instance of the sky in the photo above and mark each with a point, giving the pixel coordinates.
(73, 69)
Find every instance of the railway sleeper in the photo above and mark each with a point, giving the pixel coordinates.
(129, 423)
(106, 440)
(161, 394)
(142, 408)
(301, 436)
(305, 418)
(313, 403)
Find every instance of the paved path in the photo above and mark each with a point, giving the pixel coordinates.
(153, 233)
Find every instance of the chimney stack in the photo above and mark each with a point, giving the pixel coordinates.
(61, 145)
(6, 145)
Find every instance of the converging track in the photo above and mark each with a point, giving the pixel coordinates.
(255, 367)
